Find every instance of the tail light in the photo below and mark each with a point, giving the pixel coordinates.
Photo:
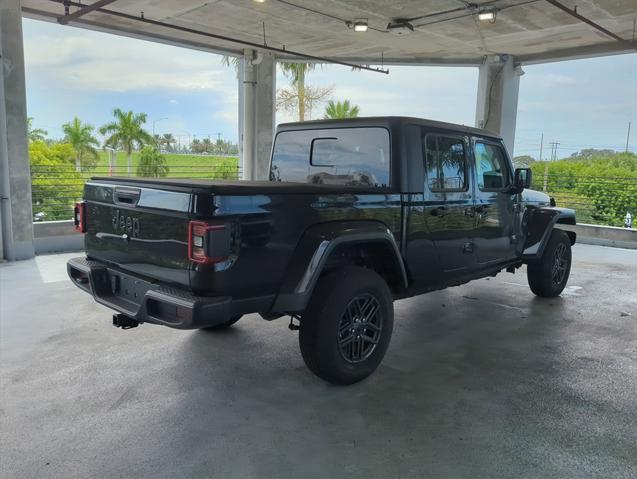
(79, 216)
(208, 244)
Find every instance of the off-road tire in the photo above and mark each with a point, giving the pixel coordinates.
(548, 275)
(341, 310)
(224, 325)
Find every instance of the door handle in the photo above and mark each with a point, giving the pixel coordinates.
(439, 212)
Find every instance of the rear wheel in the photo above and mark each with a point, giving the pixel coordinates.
(224, 325)
(346, 328)
(548, 275)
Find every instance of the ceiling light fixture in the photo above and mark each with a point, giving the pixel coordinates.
(488, 15)
(400, 27)
(259, 1)
(360, 25)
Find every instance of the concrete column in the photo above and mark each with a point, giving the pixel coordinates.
(259, 94)
(240, 114)
(266, 109)
(15, 175)
(497, 106)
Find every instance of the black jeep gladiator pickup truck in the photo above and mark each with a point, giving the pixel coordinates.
(357, 213)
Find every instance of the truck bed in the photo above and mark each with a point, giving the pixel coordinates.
(239, 187)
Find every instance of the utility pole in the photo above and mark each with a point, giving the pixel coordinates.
(546, 165)
(541, 145)
(554, 145)
(627, 137)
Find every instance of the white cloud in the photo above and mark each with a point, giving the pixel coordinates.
(446, 94)
(84, 61)
(555, 80)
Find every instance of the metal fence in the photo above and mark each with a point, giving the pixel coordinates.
(599, 200)
(56, 188)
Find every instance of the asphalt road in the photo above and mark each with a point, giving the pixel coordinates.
(482, 380)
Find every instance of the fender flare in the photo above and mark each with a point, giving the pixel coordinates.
(313, 250)
(540, 222)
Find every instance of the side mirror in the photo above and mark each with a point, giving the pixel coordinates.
(523, 178)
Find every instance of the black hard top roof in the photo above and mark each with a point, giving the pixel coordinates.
(388, 121)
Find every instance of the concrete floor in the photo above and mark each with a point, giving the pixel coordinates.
(483, 380)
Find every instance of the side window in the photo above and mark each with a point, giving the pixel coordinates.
(446, 163)
(491, 167)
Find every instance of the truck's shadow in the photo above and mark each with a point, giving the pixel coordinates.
(453, 372)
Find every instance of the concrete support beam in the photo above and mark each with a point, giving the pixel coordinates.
(497, 106)
(15, 175)
(259, 95)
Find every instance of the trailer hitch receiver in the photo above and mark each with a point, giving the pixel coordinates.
(124, 322)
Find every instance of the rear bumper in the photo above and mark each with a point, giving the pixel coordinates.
(154, 303)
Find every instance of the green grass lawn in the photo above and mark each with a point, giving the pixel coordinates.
(180, 165)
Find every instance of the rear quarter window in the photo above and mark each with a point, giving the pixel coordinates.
(337, 156)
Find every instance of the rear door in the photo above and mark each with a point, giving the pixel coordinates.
(495, 215)
(449, 200)
(141, 229)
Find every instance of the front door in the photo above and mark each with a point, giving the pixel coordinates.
(495, 217)
(448, 205)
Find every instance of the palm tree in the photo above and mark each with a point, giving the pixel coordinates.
(207, 145)
(296, 73)
(339, 110)
(168, 139)
(126, 132)
(35, 134)
(80, 135)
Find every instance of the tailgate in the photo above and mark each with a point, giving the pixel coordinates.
(140, 229)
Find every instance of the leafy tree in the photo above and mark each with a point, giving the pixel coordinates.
(35, 134)
(588, 153)
(152, 164)
(601, 188)
(296, 73)
(300, 98)
(340, 110)
(126, 132)
(523, 161)
(291, 98)
(55, 183)
(226, 169)
(80, 135)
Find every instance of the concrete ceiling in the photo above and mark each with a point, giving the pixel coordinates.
(532, 31)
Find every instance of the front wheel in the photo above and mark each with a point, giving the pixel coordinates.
(346, 328)
(548, 275)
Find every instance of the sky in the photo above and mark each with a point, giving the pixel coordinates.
(76, 72)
